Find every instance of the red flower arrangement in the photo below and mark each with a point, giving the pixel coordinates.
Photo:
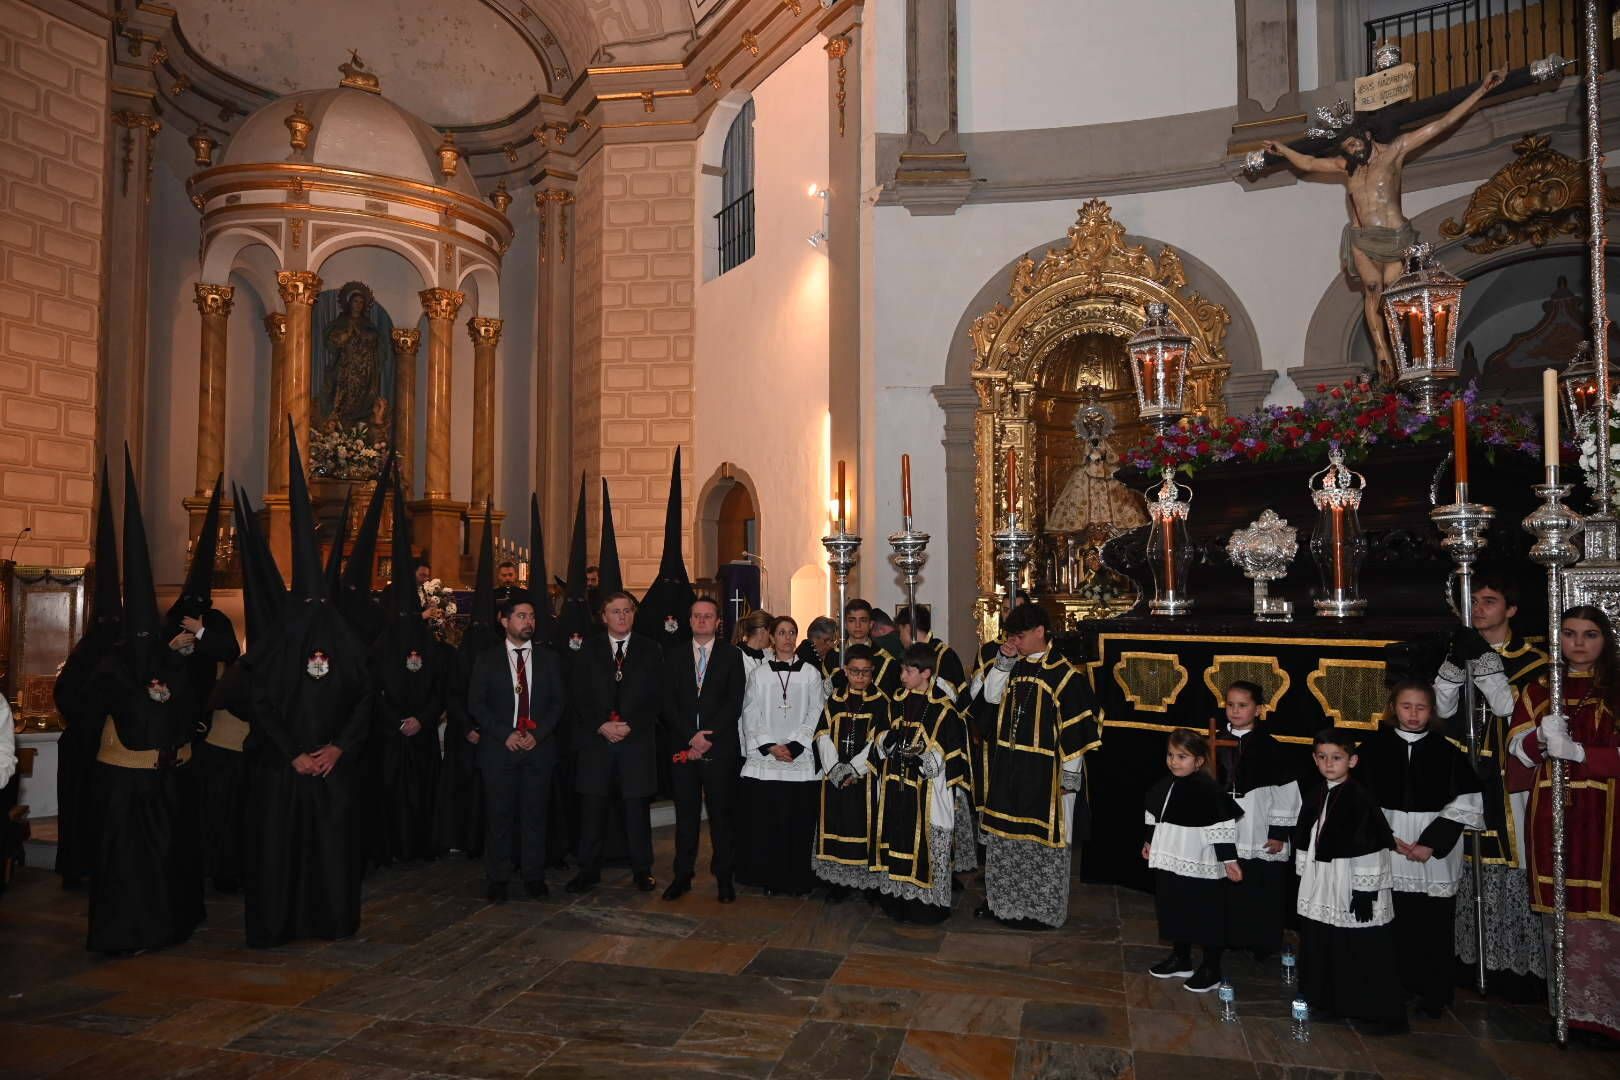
(1354, 417)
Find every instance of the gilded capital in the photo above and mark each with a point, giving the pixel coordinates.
(214, 299)
(484, 331)
(298, 287)
(275, 325)
(441, 303)
(406, 340)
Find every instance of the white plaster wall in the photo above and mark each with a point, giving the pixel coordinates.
(1061, 63)
(1278, 249)
(761, 350)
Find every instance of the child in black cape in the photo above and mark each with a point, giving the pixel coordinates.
(1429, 794)
(1342, 848)
(1192, 848)
(1258, 775)
(855, 716)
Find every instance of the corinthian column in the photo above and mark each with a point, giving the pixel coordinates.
(486, 335)
(440, 306)
(275, 327)
(406, 342)
(214, 305)
(298, 288)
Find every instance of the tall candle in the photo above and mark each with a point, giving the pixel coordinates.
(1459, 438)
(1012, 481)
(905, 487)
(1340, 556)
(840, 498)
(1549, 418)
(1168, 525)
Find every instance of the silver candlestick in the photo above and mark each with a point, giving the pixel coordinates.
(842, 549)
(910, 552)
(1555, 527)
(1463, 526)
(1012, 552)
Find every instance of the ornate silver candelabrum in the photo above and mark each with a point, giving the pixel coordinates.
(910, 552)
(1264, 552)
(1555, 527)
(1012, 544)
(842, 549)
(1169, 550)
(1338, 545)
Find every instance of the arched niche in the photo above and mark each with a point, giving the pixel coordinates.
(1093, 281)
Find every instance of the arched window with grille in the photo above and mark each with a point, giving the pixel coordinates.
(736, 216)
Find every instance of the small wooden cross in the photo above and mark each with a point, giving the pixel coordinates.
(1216, 745)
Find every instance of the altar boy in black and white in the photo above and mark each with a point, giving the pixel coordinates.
(1429, 793)
(854, 717)
(1342, 848)
(1257, 774)
(1191, 847)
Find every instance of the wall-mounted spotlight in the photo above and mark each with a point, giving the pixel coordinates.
(819, 238)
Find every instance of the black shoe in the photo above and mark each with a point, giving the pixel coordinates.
(536, 889)
(1203, 981)
(677, 888)
(1026, 924)
(1174, 966)
(582, 882)
(645, 883)
(836, 894)
(983, 912)
(728, 894)
(496, 893)
(956, 886)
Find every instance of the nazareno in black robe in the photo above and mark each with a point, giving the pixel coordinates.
(1414, 782)
(459, 810)
(1347, 967)
(304, 830)
(408, 764)
(80, 697)
(1190, 824)
(146, 888)
(222, 780)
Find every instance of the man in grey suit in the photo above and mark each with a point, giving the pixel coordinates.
(515, 701)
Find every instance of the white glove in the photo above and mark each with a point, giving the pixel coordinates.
(1005, 663)
(1558, 744)
(840, 772)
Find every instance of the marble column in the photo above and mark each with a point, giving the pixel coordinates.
(440, 306)
(486, 335)
(298, 288)
(275, 327)
(214, 304)
(406, 342)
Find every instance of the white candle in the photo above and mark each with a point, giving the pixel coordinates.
(1549, 418)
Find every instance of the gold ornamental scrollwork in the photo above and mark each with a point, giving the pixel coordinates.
(750, 41)
(214, 299)
(1095, 284)
(1539, 195)
(441, 303)
(837, 49)
(484, 331)
(275, 327)
(406, 340)
(298, 287)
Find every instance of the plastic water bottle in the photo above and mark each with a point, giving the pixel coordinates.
(1228, 1000)
(1290, 971)
(1302, 1020)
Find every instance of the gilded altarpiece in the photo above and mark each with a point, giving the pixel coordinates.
(1057, 345)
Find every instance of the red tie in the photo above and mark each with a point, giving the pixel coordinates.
(523, 721)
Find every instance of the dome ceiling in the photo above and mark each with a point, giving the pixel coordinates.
(455, 65)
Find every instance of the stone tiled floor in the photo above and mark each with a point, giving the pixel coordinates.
(439, 983)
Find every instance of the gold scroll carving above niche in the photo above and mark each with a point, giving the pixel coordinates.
(1057, 342)
(1536, 197)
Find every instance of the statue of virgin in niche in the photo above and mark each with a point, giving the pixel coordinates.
(353, 358)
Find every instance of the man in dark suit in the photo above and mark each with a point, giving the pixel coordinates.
(515, 704)
(706, 695)
(618, 698)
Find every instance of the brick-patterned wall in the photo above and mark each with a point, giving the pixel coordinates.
(53, 125)
(633, 364)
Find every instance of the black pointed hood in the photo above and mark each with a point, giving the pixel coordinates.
(483, 603)
(307, 580)
(107, 605)
(403, 600)
(257, 604)
(609, 578)
(264, 562)
(576, 619)
(664, 609)
(545, 619)
(354, 594)
(197, 594)
(140, 592)
(334, 556)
